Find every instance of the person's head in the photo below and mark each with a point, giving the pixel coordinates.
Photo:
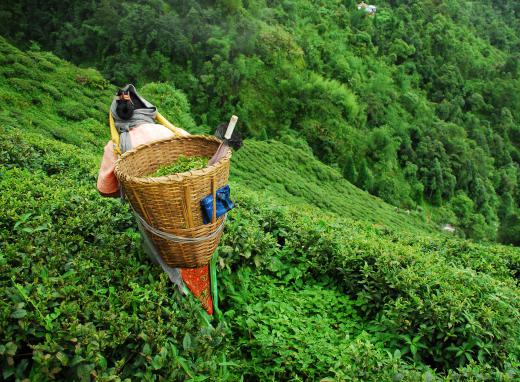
(127, 103)
(125, 106)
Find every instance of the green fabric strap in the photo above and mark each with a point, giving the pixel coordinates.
(213, 283)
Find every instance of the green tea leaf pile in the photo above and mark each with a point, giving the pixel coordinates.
(182, 164)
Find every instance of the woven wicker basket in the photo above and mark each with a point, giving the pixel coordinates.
(171, 204)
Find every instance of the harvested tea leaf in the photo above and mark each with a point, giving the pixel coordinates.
(182, 164)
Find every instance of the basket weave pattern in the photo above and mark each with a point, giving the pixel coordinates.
(172, 203)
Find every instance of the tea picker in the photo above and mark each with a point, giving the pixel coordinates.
(181, 216)
(184, 234)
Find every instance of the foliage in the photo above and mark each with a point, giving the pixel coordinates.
(172, 104)
(80, 298)
(299, 179)
(309, 289)
(440, 303)
(305, 332)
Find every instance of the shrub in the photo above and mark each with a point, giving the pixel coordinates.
(432, 311)
(306, 294)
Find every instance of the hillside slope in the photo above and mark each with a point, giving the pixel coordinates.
(307, 292)
(296, 176)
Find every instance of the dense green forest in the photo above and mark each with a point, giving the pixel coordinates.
(419, 104)
(311, 287)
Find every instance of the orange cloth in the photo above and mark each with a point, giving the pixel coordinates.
(145, 133)
(198, 282)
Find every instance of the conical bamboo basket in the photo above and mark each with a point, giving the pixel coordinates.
(171, 204)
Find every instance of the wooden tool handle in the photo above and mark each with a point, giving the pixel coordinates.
(231, 127)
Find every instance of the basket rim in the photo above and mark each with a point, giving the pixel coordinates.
(178, 177)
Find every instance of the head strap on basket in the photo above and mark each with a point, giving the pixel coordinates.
(114, 134)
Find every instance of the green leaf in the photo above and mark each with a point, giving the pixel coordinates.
(157, 362)
(83, 371)
(19, 313)
(146, 349)
(257, 260)
(62, 358)
(102, 361)
(11, 348)
(185, 366)
(226, 249)
(227, 363)
(7, 372)
(181, 164)
(186, 342)
(22, 219)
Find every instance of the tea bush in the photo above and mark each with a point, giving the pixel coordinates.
(260, 164)
(80, 300)
(435, 312)
(312, 287)
(172, 104)
(303, 331)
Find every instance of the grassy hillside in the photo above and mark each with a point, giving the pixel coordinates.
(297, 177)
(310, 287)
